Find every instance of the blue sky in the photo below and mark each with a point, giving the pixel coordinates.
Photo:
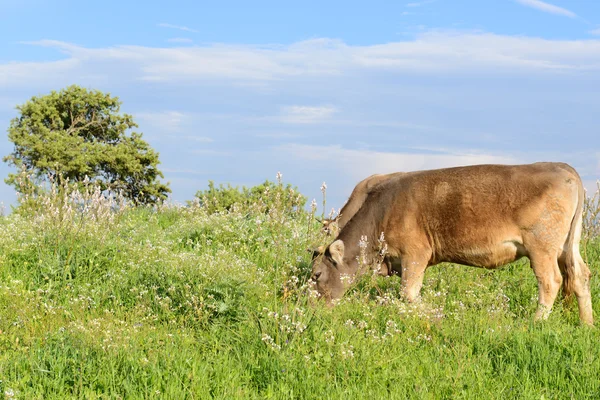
(235, 91)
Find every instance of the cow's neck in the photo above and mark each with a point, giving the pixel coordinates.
(359, 228)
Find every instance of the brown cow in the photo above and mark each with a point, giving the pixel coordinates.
(355, 201)
(483, 216)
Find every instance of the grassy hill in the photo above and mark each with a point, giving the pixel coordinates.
(98, 300)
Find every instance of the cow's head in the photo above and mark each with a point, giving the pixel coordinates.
(331, 273)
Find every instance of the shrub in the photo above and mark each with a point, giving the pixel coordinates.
(265, 196)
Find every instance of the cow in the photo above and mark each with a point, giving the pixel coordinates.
(482, 215)
(354, 202)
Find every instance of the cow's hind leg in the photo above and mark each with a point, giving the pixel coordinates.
(413, 273)
(547, 272)
(581, 287)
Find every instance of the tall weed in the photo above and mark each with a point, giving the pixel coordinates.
(591, 215)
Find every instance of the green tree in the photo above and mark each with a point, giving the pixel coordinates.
(76, 133)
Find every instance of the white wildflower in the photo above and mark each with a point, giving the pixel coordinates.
(270, 342)
(329, 337)
(332, 213)
(346, 279)
(363, 242)
(348, 351)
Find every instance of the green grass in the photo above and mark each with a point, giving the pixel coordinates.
(176, 303)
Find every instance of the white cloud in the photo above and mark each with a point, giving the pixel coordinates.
(64, 47)
(447, 51)
(211, 152)
(432, 52)
(180, 40)
(163, 121)
(277, 135)
(201, 139)
(181, 28)
(362, 163)
(306, 114)
(595, 31)
(547, 7)
(419, 3)
(168, 123)
(17, 74)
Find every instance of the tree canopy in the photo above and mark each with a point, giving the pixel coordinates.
(78, 132)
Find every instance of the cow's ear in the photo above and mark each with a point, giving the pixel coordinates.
(336, 249)
(316, 252)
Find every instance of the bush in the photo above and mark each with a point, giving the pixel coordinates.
(266, 196)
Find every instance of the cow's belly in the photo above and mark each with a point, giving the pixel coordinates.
(487, 256)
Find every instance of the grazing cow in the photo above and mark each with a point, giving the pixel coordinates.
(482, 215)
(355, 201)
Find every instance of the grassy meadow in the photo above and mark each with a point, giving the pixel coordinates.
(101, 300)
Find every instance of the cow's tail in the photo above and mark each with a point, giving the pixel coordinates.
(572, 246)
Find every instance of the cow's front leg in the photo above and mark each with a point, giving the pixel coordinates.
(413, 273)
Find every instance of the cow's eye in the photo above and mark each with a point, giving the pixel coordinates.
(332, 261)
